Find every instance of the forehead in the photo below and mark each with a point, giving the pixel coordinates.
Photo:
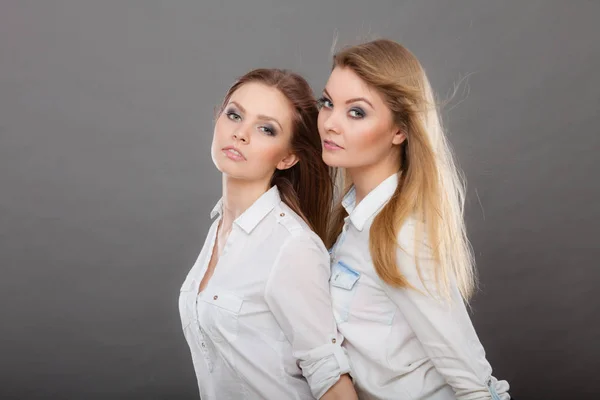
(259, 99)
(343, 83)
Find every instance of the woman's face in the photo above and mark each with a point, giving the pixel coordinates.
(253, 133)
(356, 125)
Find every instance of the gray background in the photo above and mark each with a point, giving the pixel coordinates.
(106, 180)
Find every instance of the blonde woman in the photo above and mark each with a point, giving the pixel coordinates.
(402, 267)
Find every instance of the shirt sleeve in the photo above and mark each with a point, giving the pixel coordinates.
(443, 326)
(297, 292)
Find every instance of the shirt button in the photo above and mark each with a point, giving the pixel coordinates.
(333, 340)
(282, 215)
(216, 297)
(203, 345)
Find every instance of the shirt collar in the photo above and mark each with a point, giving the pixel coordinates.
(371, 204)
(255, 213)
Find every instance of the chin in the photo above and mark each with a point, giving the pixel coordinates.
(333, 161)
(236, 171)
(231, 170)
(222, 165)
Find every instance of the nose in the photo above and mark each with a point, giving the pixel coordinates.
(241, 134)
(330, 124)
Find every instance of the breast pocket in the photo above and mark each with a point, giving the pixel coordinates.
(219, 314)
(343, 285)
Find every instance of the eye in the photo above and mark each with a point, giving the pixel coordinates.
(356, 113)
(267, 130)
(232, 115)
(324, 102)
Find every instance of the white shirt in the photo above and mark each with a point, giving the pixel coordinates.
(402, 344)
(263, 328)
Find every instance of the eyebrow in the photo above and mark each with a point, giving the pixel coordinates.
(352, 100)
(259, 116)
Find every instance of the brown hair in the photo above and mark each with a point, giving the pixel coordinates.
(431, 188)
(306, 187)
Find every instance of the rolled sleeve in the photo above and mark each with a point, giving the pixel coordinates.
(443, 326)
(297, 293)
(323, 366)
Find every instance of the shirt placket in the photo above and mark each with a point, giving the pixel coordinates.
(339, 242)
(203, 342)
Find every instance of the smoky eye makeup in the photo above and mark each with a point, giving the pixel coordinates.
(268, 129)
(354, 112)
(232, 113)
(324, 102)
(357, 113)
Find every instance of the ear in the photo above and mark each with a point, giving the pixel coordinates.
(287, 162)
(399, 137)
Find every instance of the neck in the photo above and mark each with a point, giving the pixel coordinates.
(365, 179)
(238, 196)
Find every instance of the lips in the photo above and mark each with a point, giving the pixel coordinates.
(233, 153)
(331, 145)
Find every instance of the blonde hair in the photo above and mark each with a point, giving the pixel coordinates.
(430, 187)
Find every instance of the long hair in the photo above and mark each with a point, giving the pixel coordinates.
(306, 187)
(431, 188)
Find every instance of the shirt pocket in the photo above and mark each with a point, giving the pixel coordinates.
(343, 284)
(374, 305)
(219, 314)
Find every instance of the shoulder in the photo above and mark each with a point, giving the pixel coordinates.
(412, 236)
(301, 255)
(414, 254)
(417, 263)
(300, 235)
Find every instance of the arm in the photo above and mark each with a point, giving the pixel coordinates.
(442, 325)
(297, 293)
(341, 390)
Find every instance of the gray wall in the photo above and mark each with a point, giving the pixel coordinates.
(106, 181)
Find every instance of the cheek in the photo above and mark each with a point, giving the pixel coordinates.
(266, 153)
(217, 143)
(321, 122)
(365, 144)
(221, 129)
(364, 137)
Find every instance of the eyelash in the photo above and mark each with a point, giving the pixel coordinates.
(321, 103)
(360, 112)
(231, 114)
(324, 102)
(234, 116)
(268, 130)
